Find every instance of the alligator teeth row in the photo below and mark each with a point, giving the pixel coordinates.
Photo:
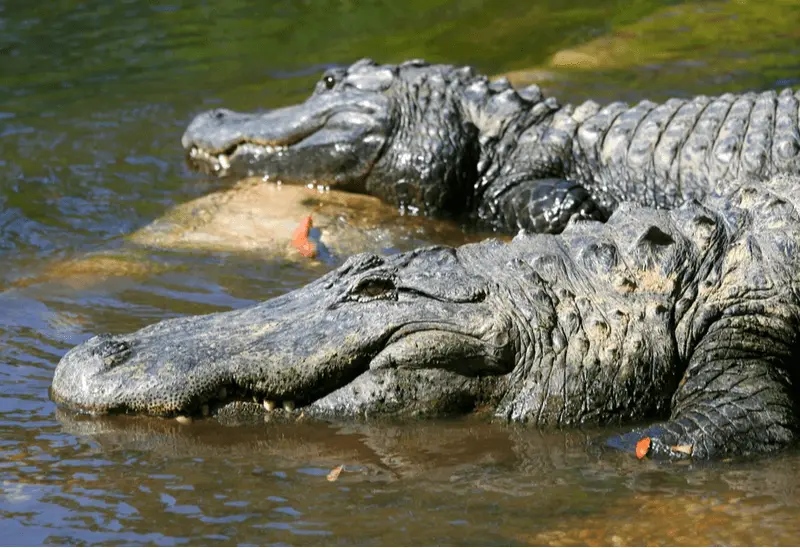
(222, 160)
(214, 162)
(226, 395)
(270, 405)
(268, 148)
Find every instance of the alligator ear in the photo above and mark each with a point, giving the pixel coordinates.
(702, 225)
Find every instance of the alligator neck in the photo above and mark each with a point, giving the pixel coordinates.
(511, 125)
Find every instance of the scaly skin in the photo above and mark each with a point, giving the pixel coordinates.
(444, 141)
(688, 316)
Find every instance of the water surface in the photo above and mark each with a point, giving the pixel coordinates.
(93, 99)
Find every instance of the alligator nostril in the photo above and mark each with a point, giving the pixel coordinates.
(112, 352)
(219, 114)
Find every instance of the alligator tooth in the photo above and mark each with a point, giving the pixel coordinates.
(205, 410)
(288, 405)
(223, 393)
(182, 419)
(224, 163)
(194, 152)
(269, 405)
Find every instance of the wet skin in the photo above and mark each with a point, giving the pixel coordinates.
(444, 141)
(689, 315)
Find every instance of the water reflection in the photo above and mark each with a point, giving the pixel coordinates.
(146, 479)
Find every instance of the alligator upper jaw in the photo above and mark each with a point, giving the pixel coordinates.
(325, 135)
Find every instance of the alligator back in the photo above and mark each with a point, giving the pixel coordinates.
(665, 154)
(617, 310)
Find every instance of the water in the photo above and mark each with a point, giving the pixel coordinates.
(93, 99)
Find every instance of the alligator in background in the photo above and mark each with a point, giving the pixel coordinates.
(688, 316)
(443, 141)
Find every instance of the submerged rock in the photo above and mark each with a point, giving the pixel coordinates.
(258, 219)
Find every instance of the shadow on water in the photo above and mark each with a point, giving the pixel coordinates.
(93, 99)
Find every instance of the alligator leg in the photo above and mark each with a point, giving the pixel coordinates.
(547, 205)
(736, 397)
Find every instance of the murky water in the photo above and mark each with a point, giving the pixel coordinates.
(93, 99)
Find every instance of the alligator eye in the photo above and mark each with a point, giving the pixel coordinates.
(370, 289)
(329, 82)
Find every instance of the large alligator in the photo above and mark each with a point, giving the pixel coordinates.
(444, 141)
(688, 316)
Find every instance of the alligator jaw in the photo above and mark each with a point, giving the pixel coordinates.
(95, 377)
(218, 163)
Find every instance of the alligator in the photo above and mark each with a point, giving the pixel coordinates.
(687, 318)
(444, 141)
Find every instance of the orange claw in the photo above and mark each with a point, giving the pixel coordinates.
(300, 239)
(642, 447)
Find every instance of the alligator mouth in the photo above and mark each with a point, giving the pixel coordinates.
(238, 399)
(219, 163)
(234, 399)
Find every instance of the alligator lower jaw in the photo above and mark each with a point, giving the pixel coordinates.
(219, 163)
(232, 401)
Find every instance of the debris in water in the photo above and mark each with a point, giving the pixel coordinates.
(300, 239)
(642, 447)
(333, 475)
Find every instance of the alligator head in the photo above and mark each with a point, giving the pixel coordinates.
(412, 333)
(409, 134)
